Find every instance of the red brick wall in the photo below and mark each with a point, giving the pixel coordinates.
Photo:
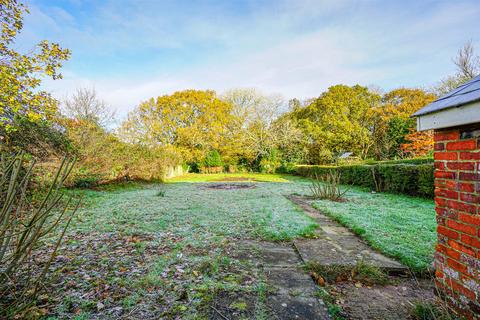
(457, 200)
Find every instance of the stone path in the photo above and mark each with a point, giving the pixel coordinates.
(293, 294)
(336, 245)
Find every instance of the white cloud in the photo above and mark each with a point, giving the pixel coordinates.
(297, 48)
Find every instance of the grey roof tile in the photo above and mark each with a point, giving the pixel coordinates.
(464, 94)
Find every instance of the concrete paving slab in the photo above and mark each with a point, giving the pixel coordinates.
(337, 245)
(268, 253)
(298, 308)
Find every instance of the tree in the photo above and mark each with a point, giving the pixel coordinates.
(392, 121)
(289, 139)
(418, 143)
(193, 121)
(339, 120)
(84, 105)
(468, 67)
(20, 75)
(254, 115)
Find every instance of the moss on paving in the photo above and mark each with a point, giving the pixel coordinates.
(400, 226)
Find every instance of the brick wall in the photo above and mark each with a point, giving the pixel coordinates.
(457, 200)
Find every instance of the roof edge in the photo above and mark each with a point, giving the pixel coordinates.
(419, 113)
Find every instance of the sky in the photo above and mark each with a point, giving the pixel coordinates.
(132, 50)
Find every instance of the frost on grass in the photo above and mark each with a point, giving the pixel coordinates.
(401, 226)
(132, 253)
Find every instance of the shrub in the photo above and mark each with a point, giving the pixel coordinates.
(211, 169)
(24, 228)
(213, 159)
(411, 179)
(286, 167)
(269, 163)
(327, 187)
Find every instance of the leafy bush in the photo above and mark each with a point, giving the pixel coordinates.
(286, 167)
(211, 169)
(84, 178)
(213, 159)
(269, 163)
(411, 179)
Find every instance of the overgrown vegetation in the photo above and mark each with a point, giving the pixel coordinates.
(361, 272)
(432, 311)
(24, 228)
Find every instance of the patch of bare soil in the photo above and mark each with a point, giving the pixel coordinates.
(237, 179)
(392, 301)
(228, 186)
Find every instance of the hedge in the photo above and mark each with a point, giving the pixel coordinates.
(411, 179)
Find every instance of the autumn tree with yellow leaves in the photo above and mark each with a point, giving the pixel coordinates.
(393, 126)
(25, 111)
(192, 121)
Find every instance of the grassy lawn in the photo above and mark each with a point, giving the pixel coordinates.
(193, 210)
(167, 250)
(217, 177)
(402, 227)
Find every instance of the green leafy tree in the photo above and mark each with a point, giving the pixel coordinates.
(20, 76)
(213, 159)
(339, 120)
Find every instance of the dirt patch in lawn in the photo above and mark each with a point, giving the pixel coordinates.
(237, 179)
(228, 186)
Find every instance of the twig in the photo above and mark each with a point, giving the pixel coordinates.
(219, 313)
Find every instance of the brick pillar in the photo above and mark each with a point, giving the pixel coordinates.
(457, 203)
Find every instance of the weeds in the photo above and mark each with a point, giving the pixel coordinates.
(335, 311)
(327, 187)
(361, 272)
(431, 311)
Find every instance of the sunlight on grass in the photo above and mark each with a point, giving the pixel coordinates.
(232, 177)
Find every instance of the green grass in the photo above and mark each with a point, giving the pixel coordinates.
(401, 226)
(168, 247)
(158, 229)
(189, 210)
(217, 177)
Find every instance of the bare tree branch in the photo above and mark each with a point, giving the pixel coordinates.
(467, 62)
(87, 106)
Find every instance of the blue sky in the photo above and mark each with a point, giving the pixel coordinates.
(131, 50)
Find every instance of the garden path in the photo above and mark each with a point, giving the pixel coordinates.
(336, 245)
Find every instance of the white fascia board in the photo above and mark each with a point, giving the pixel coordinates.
(453, 117)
